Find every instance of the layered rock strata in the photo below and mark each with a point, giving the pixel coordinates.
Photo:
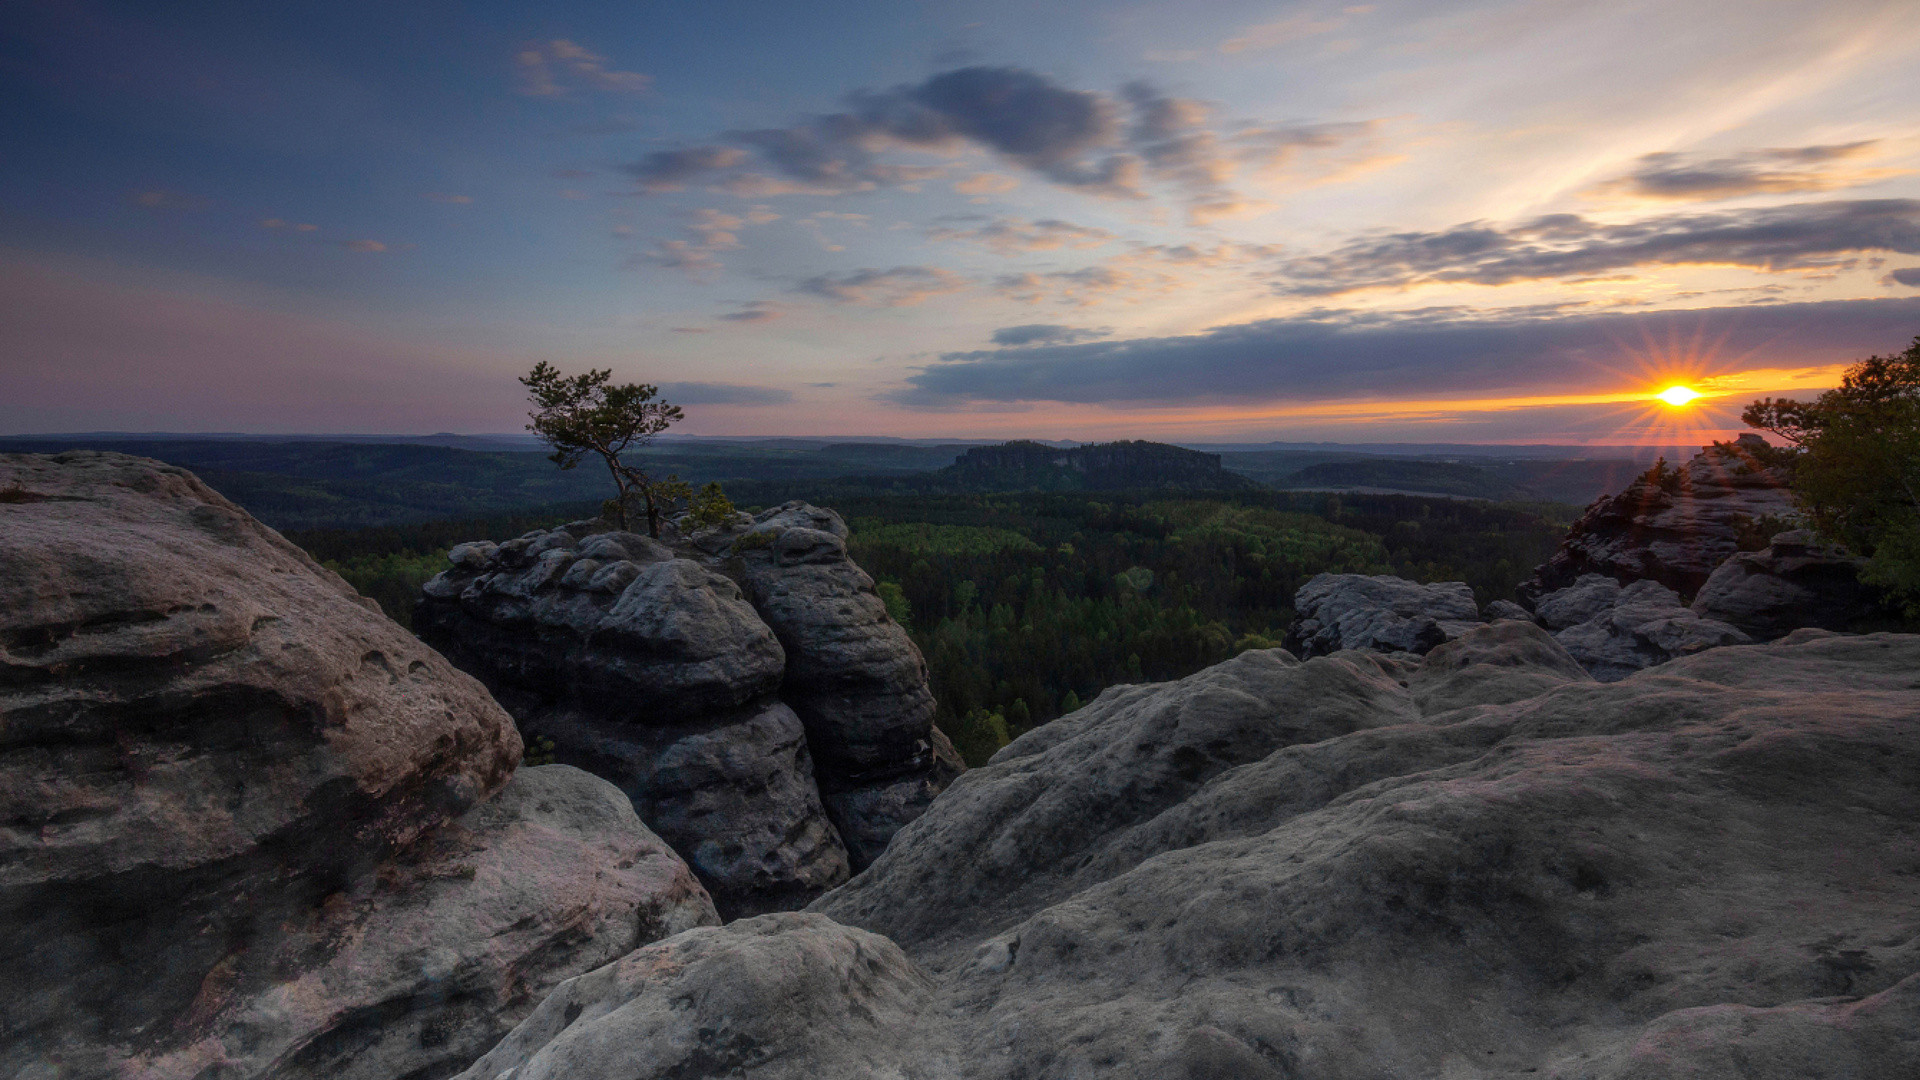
(1675, 531)
(744, 686)
(249, 827)
(1477, 863)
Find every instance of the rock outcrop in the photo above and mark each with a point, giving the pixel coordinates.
(1380, 613)
(1674, 530)
(249, 827)
(743, 685)
(1614, 631)
(1476, 863)
(1795, 582)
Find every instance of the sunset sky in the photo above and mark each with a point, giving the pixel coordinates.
(1423, 221)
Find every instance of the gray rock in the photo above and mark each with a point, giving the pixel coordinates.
(1614, 631)
(1506, 609)
(247, 828)
(783, 997)
(1795, 582)
(1383, 614)
(1675, 533)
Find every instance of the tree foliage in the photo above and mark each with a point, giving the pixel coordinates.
(584, 414)
(1856, 465)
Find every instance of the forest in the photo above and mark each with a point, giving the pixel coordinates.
(1028, 605)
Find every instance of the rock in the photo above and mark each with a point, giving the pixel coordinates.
(1506, 609)
(431, 961)
(1674, 532)
(1633, 880)
(653, 671)
(1795, 582)
(1383, 614)
(743, 684)
(1614, 631)
(229, 790)
(784, 997)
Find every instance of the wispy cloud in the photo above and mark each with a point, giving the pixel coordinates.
(1013, 236)
(1906, 275)
(291, 226)
(1803, 236)
(553, 68)
(753, 311)
(368, 246)
(1271, 35)
(1339, 354)
(1780, 171)
(714, 231)
(902, 286)
(1046, 334)
(443, 197)
(1084, 287)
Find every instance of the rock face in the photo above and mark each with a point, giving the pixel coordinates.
(1384, 614)
(744, 686)
(252, 828)
(1477, 863)
(1614, 632)
(1674, 532)
(1795, 582)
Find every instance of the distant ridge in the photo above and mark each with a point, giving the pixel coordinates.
(1026, 465)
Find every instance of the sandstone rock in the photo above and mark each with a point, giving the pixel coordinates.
(424, 966)
(1506, 609)
(1676, 533)
(1384, 614)
(1795, 582)
(1614, 631)
(784, 997)
(1642, 879)
(229, 794)
(653, 671)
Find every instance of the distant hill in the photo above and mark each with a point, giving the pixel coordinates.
(1438, 477)
(1032, 466)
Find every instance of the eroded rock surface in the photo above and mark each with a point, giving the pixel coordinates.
(1674, 532)
(245, 826)
(1614, 631)
(1797, 581)
(1380, 613)
(744, 685)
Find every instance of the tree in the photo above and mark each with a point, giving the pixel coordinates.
(1856, 465)
(585, 414)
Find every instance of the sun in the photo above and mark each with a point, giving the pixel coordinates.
(1677, 395)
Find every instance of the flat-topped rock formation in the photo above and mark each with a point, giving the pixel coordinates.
(252, 828)
(1480, 862)
(744, 686)
(1674, 530)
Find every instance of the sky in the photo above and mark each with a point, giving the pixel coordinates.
(1431, 221)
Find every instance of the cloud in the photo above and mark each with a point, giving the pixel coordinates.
(1802, 236)
(986, 183)
(902, 286)
(754, 311)
(363, 245)
(442, 197)
(552, 68)
(701, 393)
(1084, 287)
(280, 223)
(1045, 334)
(1012, 236)
(1906, 275)
(158, 199)
(714, 231)
(1274, 34)
(1340, 354)
(1754, 172)
(1018, 115)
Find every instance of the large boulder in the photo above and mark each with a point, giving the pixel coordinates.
(742, 683)
(1381, 613)
(1477, 863)
(1674, 529)
(246, 818)
(1614, 631)
(1797, 581)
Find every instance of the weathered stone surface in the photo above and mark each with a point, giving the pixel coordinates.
(1380, 613)
(424, 966)
(1674, 533)
(229, 794)
(1795, 582)
(1614, 631)
(784, 997)
(1506, 609)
